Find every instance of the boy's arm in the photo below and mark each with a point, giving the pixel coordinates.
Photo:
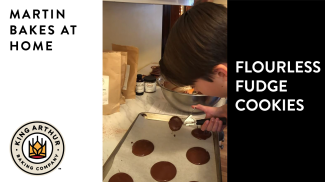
(218, 112)
(221, 112)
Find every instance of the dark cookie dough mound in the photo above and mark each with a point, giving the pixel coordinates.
(142, 148)
(198, 155)
(175, 123)
(202, 135)
(163, 171)
(121, 177)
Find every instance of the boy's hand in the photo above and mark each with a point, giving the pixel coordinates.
(214, 113)
(215, 124)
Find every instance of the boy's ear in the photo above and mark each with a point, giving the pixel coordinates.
(221, 70)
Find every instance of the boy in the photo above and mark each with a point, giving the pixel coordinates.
(196, 54)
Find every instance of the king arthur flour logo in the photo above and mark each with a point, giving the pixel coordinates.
(37, 148)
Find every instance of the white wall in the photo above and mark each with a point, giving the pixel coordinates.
(138, 25)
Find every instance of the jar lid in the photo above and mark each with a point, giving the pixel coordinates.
(139, 76)
(149, 79)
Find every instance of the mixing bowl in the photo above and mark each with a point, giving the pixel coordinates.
(183, 101)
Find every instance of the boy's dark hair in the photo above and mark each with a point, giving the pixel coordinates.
(199, 1)
(196, 43)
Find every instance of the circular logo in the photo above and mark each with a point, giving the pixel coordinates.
(37, 148)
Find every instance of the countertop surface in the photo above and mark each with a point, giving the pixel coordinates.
(115, 125)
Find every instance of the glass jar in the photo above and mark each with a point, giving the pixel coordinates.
(150, 84)
(139, 90)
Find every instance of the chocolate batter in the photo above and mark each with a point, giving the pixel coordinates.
(163, 171)
(175, 123)
(121, 177)
(142, 148)
(198, 155)
(202, 135)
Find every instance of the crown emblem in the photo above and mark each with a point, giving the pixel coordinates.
(37, 150)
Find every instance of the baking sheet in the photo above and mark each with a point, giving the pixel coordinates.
(167, 148)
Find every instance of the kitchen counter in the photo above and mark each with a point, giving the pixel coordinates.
(115, 125)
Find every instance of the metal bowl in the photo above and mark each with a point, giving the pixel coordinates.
(182, 101)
